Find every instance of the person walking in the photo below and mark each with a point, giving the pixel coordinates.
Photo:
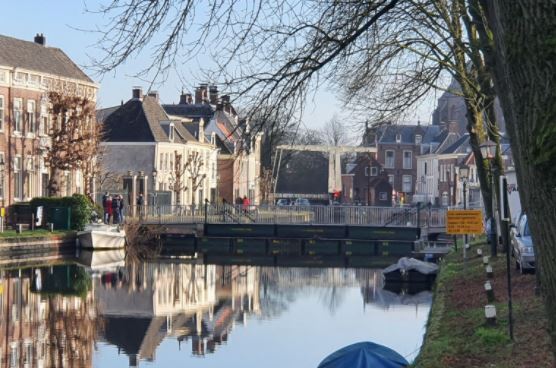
(107, 209)
(116, 209)
(246, 204)
(140, 205)
(121, 208)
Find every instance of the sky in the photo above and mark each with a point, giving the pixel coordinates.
(62, 22)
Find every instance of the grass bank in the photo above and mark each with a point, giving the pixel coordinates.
(38, 233)
(456, 333)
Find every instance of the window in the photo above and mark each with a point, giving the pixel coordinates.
(425, 168)
(407, 159)
(18, 178)
(161, 167)
(31, 116)
(34, 79)
(43, 124)
(407, 184)
(1, 113)
(3, 78)
(389, 160)
(391, 180)
(418, 138)
(374, 171)
(21, 77)
(383, 196)
(18, 107)
(366, 170)
(398, 138)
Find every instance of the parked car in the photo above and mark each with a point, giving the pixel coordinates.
(302, 202)
(522, 245)
(283, 202)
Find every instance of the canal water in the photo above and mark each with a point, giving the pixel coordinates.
(101, 311)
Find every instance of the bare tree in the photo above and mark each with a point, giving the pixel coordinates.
(177, 177)
(75, 138)
(335, 132)
(194, 166)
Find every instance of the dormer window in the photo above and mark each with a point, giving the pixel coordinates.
(418, 138)
(398, 138)
(171, 132)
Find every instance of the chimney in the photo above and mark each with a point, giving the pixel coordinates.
(154, 94)
(40, 39)
(186, 98)
(201, 136)
(201, 94)
(226, 103)
(137, 93)
(213, 95)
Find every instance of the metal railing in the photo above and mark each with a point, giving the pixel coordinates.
(270, 214)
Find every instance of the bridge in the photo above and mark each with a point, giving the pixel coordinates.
(271, 235)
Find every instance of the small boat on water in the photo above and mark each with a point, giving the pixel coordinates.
(364, 355)
(101, 236)
(101, 259)
(410, 270)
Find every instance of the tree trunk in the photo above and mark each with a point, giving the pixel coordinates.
(525, 76)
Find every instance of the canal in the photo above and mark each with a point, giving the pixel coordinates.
(99, 310)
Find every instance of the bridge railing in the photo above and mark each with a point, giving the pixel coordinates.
(270, 214)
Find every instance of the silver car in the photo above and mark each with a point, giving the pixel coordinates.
(522, 245)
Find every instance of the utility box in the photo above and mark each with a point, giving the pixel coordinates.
(60, 217)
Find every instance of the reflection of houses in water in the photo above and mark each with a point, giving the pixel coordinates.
(48, 330)
(144, 303)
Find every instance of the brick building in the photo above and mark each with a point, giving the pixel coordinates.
(28, 71)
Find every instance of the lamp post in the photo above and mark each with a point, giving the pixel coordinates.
(464, 174)
(488, 150)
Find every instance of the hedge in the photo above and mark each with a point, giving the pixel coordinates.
(81, 208)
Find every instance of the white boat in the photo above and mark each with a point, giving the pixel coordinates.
(100, 236)
(102, 259)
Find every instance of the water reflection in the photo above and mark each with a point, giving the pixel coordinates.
(164, 312)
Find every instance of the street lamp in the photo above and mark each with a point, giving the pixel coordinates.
(464, 174)
(155, 173)
(488, 151)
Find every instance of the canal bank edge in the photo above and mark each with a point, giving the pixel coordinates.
(36, 241)
(457, 334)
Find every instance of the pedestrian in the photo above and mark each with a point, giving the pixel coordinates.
(116, 209)
(246, 204)
(140, 204)
(121, 208)
(107, 209)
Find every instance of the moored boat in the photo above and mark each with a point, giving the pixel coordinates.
(100, 236)
(410, 270)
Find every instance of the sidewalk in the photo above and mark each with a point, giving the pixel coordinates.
(456, 333)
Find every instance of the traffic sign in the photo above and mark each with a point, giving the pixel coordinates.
(459, 222)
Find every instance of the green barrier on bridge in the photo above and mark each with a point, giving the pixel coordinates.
(383, 233)
(311, 231)
(240, 230)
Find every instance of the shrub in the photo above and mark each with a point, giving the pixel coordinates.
(81, 208)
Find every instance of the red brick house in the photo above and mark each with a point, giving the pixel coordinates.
(28, 71)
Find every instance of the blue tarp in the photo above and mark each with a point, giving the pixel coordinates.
(364, 355)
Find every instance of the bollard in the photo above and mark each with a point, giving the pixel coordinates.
(489, 272)
(18, 228)
(489, 292)
(490, 314)
(485, 260)
(50, 227)
(479, 252)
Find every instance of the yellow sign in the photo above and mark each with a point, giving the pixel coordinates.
(464, 222)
